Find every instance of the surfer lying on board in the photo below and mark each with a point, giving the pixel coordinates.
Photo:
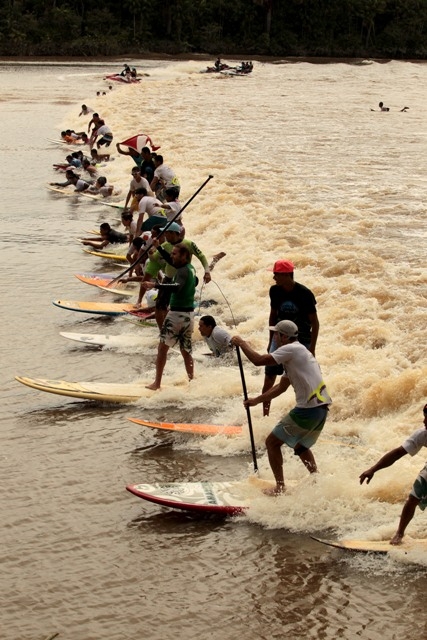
(418, 493)
(383, 108)
(108, 236)
(301, 427)
(179, 321)
(217, 339)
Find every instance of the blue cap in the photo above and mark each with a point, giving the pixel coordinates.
(173, 227)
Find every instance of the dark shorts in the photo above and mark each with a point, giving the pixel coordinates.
(152, 221)
(164, 296)
(107, 140)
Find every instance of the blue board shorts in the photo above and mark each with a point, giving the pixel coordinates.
(419, 491)
(301, 426)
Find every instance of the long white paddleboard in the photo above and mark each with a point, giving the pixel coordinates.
(222, 498)
(375, 546)
(100, 391)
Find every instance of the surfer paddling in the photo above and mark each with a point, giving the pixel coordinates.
(418, 495)
(301, 427)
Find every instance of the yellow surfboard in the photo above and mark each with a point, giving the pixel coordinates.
(100, 391)
(106, 254)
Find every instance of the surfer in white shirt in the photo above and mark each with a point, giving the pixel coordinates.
(301, 427)
(418, 494)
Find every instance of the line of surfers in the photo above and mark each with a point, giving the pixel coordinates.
(165, 265)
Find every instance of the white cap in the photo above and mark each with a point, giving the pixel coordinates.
(287, 327)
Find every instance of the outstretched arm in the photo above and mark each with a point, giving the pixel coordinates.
(386, 461)
(256, 358)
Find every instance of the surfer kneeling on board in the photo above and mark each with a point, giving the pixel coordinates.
(301, 427)
(418, 494)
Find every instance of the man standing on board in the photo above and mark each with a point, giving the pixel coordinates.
(418, 493)
(301, 427)
(289, 300)
(179, 321)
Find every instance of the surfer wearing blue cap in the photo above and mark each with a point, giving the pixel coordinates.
(418, 495)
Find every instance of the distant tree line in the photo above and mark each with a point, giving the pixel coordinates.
(327, 28)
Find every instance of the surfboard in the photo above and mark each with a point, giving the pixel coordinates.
(222, 498)
(102, 340)
(375, 546)
(102, 200)
(100, 391)
(195, 429)
(106, 254)
(63, 190)
(97, 308)
(103, 283)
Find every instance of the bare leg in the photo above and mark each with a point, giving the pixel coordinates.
(189, 363)
(307, 458)
(162, 352)
(405, 518)
(268, 383)
(275, 458)
(160, 315)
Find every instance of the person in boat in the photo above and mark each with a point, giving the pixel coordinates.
(164, 177)
(418, 495)
(136, 183)
(217, 339)
(126, 70)
(218, 64)
(108, 236)
(301, 427)
(178, 324)
(289, 300)
(133, 73)
(85, 110)
(102, 187)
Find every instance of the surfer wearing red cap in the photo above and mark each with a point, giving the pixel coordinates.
(289, 300)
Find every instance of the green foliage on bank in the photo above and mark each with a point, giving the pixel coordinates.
(348, 28)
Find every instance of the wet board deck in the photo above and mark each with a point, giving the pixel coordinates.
(100, 391)
(97, 308)
(222, 498)
(102, 200)
(103, 340)
(196, 429)
(375, 546)
(106, 254)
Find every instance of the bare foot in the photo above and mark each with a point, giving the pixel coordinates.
(396, 539)
(153, 386)
(275, 491)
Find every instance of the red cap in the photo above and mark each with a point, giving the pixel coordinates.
(283, 266)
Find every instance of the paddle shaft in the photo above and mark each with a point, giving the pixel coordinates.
(166, 227)
(248, 412)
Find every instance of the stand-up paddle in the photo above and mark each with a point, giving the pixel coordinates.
(248, 412)
(165, 228)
